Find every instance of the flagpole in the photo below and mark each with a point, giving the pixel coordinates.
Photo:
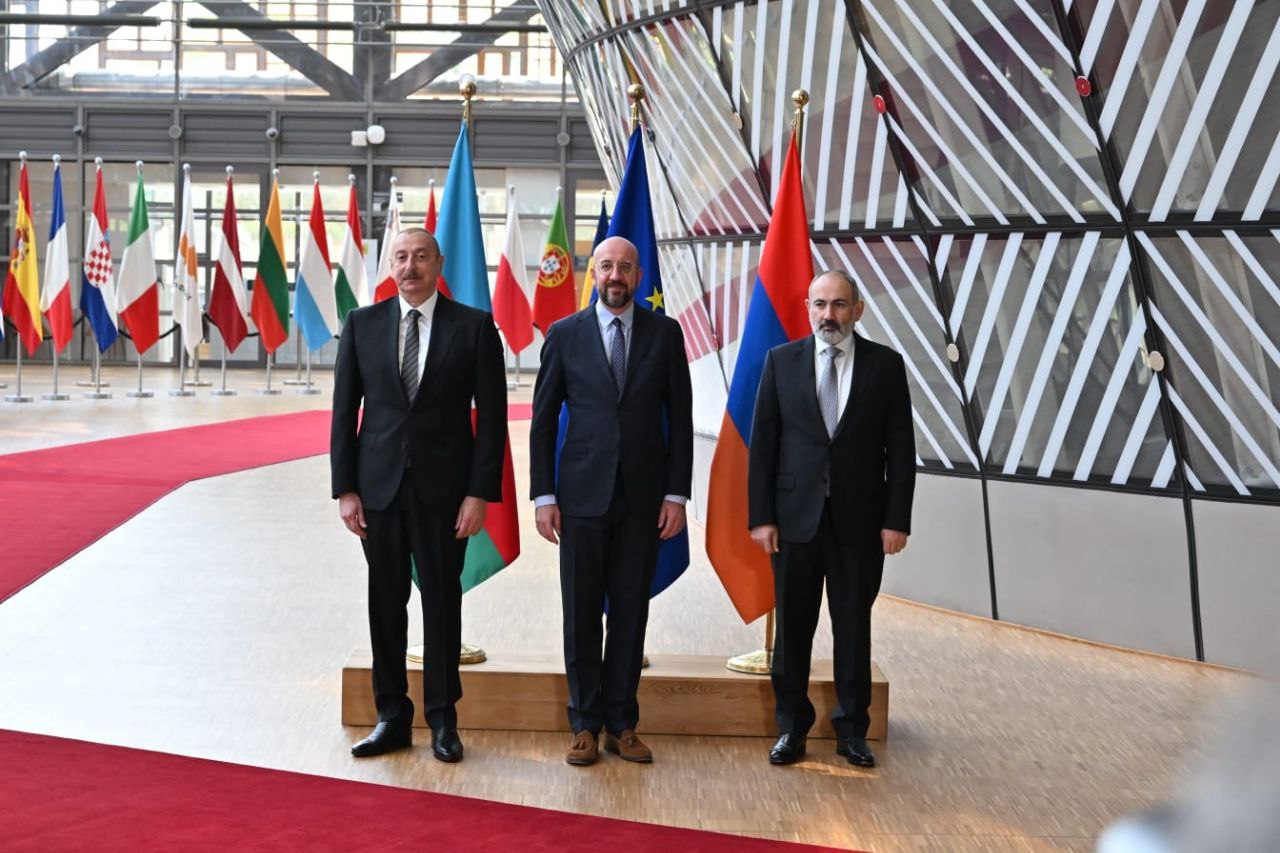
(307, 387)
(760, 662)
(223, 391)
(182, 390)
(97, 393)
(469, 653)
(140, 393)
(297, 357)
(269, 391)
(17, 396)
(55, 395)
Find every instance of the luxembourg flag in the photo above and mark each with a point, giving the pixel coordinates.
(315, 304)
(97, 288)
(384, 283)
(776, 315)
(55, 301)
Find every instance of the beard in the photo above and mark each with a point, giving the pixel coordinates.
(614, 297)
(831, 333)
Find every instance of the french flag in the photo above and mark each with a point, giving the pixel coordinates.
(776, 315)
(97, 290)
(56, 300)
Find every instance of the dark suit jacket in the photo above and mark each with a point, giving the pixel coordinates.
(448, 460)
(870, 462)
(607, 432)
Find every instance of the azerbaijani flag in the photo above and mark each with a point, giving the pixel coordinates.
(510, 304)
(467, 276)
(21, 299)
(350, 282)
(97, 292)
(554, 295)
(228, 300)
(55, 300)
(138, 285)
(385, 283)
(776, 315)
(589, 280)
(270, 307)
(315, 305)
(186, 282)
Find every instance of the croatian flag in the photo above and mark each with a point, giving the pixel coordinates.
(97, 287)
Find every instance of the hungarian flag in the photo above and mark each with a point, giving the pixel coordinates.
(186, 272)
(97, 292)
(554, 297)
(385, 283)
(228, 301)
(349, 284)
(21, 299)
(466, 274)
(270, 306)
(510, 304)
(776, 314)
(589, 280)
(55, 298)
(315, 306)
(138, 285)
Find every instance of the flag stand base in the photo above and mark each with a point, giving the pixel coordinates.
(752, 663)
(268, 391)
(18, 398)
(307, 389)
(223, 392)
(181, 392)
(141, 395)
(467, 655)
(89, 383)
(55, 396)
(97, 395)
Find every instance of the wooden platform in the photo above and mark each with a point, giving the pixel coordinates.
(679, 694)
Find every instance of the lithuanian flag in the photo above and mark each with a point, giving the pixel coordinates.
(270, 307)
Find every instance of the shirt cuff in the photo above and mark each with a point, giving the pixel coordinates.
(676, 499)
(544, 500)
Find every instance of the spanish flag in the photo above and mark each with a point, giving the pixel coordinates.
(22, 285)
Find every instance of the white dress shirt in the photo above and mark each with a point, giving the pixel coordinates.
(605, 317)
(844, 370)
(428, 311)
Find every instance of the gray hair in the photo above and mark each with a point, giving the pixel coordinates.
(840, 274)
(414, 229)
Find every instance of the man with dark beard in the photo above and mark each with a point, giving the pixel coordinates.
(830, 483)
(624, 476)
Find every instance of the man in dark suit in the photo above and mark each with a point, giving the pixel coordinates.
(624, 477)
(413, 479)
(831, 477)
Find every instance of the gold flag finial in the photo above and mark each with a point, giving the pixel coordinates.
(467, 89)
(801, 99)
(635, 92)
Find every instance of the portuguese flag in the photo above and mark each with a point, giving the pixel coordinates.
(270, 308)
(554, 297)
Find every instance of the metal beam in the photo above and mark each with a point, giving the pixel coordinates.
(309, 62)
(444, 58)
(65, 49)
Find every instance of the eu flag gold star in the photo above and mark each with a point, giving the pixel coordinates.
(655, 301)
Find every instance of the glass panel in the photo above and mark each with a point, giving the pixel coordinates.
(983, 98)
(1217, 305)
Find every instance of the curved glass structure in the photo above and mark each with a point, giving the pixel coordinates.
(1065, 215)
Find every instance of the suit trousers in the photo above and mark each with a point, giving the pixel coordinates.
(609, 556)
(852, 565)
(406, 528)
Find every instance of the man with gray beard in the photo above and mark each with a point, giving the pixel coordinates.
(831, 477)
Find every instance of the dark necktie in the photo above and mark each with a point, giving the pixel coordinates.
(618, 355)
(409, 364)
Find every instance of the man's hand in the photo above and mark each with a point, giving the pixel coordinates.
(670, 519)
(766, 536)
(470, 517)
(893, 540)
(351, 509)
(548, 521)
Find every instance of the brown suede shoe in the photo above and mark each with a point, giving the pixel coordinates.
(628, 746)
(583, 750)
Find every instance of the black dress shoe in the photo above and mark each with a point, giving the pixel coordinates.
(788, 750)
(386, 737)
(855, 749)
(446, 745)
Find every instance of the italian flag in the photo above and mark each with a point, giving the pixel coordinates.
(270, 306)
(137, 288)
(349, 284)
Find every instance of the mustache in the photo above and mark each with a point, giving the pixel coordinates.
(829, 325)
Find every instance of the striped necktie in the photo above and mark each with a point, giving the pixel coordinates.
(409, 364)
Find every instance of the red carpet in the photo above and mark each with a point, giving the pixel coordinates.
(57, 501)
(71, 795)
